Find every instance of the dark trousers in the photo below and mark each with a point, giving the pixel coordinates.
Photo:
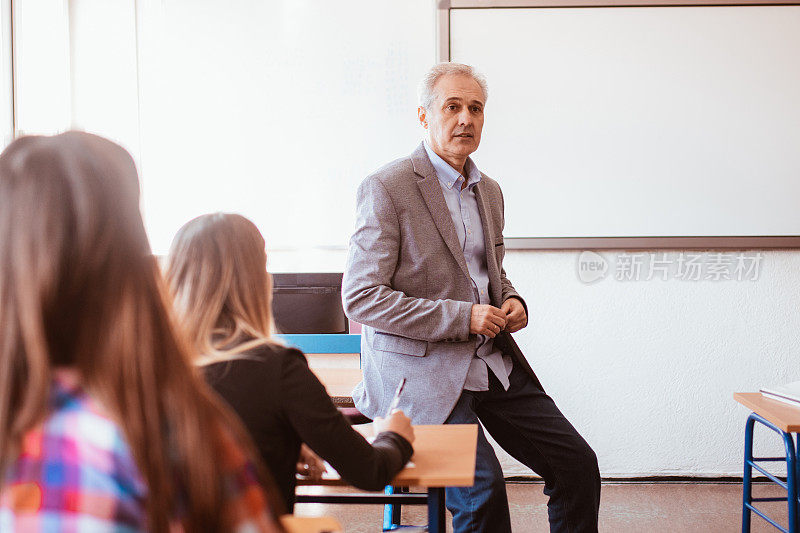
(526, 423)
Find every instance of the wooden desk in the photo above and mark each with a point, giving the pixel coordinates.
(301, 524)
(339, 383)
(444, 456)
(784, 420)
(781, 414)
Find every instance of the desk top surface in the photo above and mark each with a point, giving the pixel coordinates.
(339, 382)
(444, 456)
(302, 524)
(781, 414)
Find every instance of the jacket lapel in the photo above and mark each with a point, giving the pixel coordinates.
(434, 198)
(488, 240)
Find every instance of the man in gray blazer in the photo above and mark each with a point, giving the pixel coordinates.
(425, 277)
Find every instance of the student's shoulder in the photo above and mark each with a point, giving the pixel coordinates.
(76, 415)
(264, 358)
(77, 455)
(80, 441)
(277, 363)
(80, 419)
(275, 351)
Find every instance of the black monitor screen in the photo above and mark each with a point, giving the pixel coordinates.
(308, 303)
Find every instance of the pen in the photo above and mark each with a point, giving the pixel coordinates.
(396, 398)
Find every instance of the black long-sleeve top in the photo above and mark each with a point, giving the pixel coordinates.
(283, 404)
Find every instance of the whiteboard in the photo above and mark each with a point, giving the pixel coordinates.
(641, 121)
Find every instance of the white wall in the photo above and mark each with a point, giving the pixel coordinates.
(646, 369)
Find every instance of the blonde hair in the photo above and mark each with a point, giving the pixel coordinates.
(217, 273)
(80, 288)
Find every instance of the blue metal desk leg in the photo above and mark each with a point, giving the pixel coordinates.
(792, 472)
(392, 511)
(388, 511)
(436, 513)
(747, 481)
(791, 481)
(797, 478)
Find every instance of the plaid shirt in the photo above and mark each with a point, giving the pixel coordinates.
(75, 472)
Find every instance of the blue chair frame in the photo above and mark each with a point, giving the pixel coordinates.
(323, 343)
(348, 343)
(792, 472)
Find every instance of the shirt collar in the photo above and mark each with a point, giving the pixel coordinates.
(448, 175)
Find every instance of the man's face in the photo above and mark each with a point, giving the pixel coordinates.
(455, 118)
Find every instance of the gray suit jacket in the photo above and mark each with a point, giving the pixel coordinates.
(407, 281)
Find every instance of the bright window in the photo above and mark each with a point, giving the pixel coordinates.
(276, 110)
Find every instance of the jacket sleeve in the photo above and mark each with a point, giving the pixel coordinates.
(319, 424)
(369, 297)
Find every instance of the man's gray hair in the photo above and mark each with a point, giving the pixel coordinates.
(428, 82)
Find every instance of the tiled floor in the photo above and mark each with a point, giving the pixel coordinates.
(625, 507)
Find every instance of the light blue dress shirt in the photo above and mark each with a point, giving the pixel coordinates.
(463, 206)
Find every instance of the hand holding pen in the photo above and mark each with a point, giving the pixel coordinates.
(395, 419)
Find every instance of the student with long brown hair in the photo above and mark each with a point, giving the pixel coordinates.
(104, 423)
(217, 272)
